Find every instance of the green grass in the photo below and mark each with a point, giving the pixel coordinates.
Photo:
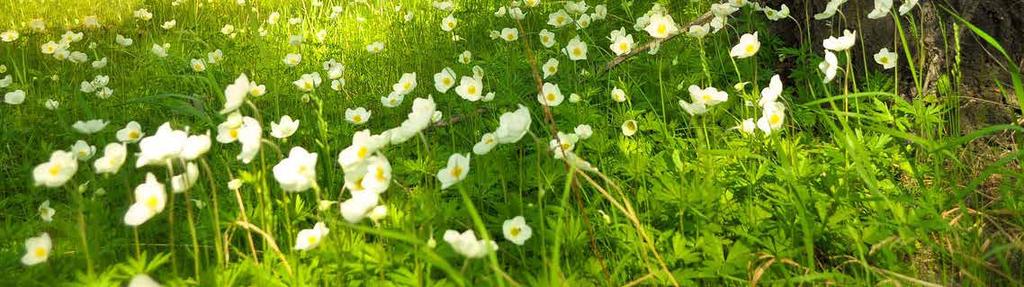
(860, 186)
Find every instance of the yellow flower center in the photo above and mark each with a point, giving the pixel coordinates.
(362, 152)
(381, 176)
(133, 135)
(471, 90)
(550, 97)
(39, 252)
(357, 118)
(406, 86)
(560, 20)
(750, 48)
(307, 85)
(577, 51)
(884, 60)
(54, 169)
(774, 119)
(662, 29)
(312, 240)
(623, 46)
(515, 231)
(152, 202)
(447, 81)
(456, 171)
(545, 39)
(233, 133)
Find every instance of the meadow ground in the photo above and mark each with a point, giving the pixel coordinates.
(494, 143)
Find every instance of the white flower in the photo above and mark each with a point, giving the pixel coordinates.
(622, 43)
(353, 158)
(516, 230)
(250, 135)
(830, 9)
(907, 6)
(196, 146)
(99, 64)
(228, 29)
(829, 67)
(6, 81)
(882, 8)
(308, 82)
(273, 18)
(292, 59)
(198, 65)
(357, 116)
(214, 57)
(143, 14)
(124, 42)
(162, 147)
(772, 118)
(771, 93)
(52, 104)
(235, 184)
(563, 144)
(842, 43)
(466, 244)
(709, 96)
(235, 94)
(184, 181)
(747, 126)
(466, 57)
(618, 95)
(584, 131)
(392, 100)
(531, 3)
(629, 128)
(131, 133)
(547, 38)
(14, 98)
(284, 128)
(550, 95)
(488, 97)
(297, 172)
(169, 24)
(378, 213)
(375, 47)
(470, 88)
(661, 26)
(9, 36)
(356, 208)
(748, 46)
(576, 49)
(550, 67)
(448, 23)
(600, 12)
(776, 15)
(405, 84)
(46, 212)
(159, 51)
(583, 22)
(886, 59)
(510, 34)
(90, 126)
(37, 249)
(57, 171)
(723, 9)
(513, 125)
(455, 172)
(444, 80)
(143, 280)
(150, 199)
(114, 155)
(486, 144)
(559, 19)
(311, 238)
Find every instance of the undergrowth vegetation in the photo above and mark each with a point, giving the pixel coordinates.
(490, 143)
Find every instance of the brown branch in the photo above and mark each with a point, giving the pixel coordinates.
(703, 19)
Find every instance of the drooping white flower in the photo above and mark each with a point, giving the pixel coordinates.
(235, 94)
(195, 146)
(114, 155)
(772, 92)
(162, 147)
(297, 172)
(516, 230)
(829, 67)
(37, 249)
(311, 238)
(886, 59)
(420, 118)
(842, 43)
(468, 245)
(284, 128)
(14, 98)
(907, 6)
(748, 46)
(882, 8)
(89, 127)
(184, 181)
(150, 199)
(455, 172)
(830, 9)
(550, 95)
(359, 206)
(747, 126)
(513, 125)
(250, 135)
(46, 212)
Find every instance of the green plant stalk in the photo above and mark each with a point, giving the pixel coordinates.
(82, 231)
(215, 212)
(486, 236)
